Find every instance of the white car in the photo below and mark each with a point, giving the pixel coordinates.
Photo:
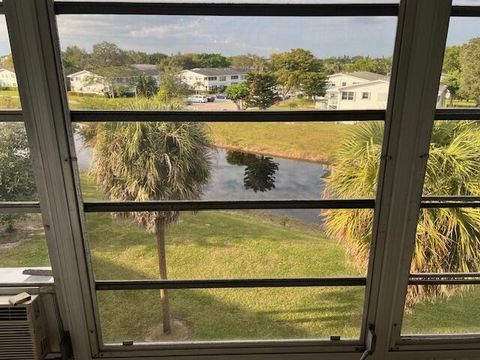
(197, 99)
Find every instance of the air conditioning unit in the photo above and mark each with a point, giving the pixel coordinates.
(22, 332)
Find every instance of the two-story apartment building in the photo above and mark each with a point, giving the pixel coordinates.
(88, 82)
(212, 79)
(8, 78)
(362, 90)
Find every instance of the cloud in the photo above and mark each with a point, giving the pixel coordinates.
(232, 35)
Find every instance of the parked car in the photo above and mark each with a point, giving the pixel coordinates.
(221, 97)
(211, 98)
(197, 99)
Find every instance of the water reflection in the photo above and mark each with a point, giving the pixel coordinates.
(259, 172)
(237, 175)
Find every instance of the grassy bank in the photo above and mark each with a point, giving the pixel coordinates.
(304, 141)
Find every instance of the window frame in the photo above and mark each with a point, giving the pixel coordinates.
(71, 263)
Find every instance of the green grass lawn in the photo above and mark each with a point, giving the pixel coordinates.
(299, 140)
(222, 244)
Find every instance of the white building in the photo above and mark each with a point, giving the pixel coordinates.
(362, 91)
(87, 82)
(211, 79)
(7, 78)
(357, 91)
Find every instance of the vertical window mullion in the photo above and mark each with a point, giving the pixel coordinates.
(421, 39)
(36, 52)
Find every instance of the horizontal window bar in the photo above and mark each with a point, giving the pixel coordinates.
(444, 275)
(129, 206)
(466, 281)
(19, 207)
(444, 279)
(415, 279)
(226, 283)
(457, 114)
(11, 115)
(466, 11)
(228, 116)
(248, 116)
(219, 9)
(464, 202)
(445, 199)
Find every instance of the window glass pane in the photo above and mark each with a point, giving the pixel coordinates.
(446, 242)
(455, 314)
(22, 241)
(453, 166)
(230, 244)
(17, 182)
(9, 98)
(232, 314)
(459, 83)
(245, 161)
(207, 63)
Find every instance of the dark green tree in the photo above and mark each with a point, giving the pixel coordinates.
(210, 61)
(314, 84)
(261, 90)
(106, 54)
(74, 59)
(238, 93)
(470, 70)
(17, 182)
(292, 67)
(451, 60)
(146, 86)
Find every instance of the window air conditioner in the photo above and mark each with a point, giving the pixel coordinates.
(22, 332)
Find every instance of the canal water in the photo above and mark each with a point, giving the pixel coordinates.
(237, 175)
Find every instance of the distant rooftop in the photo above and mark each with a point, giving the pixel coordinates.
(218, 71)
(148, 69)
(367, 75)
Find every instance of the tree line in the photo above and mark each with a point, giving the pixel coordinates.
(461, 71)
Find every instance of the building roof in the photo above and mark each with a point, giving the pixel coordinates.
(79, 72)
(364, 75)
(218, 71)
(365, 84)
(148, 69)
(367, 75)
(3, 69)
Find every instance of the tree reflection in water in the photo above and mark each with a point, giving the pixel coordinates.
(259, 170)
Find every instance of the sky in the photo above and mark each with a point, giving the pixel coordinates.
(334, 36)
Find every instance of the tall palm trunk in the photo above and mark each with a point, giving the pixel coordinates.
(162, 264)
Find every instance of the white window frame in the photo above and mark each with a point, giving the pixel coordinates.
(348, 95)
(420, 43)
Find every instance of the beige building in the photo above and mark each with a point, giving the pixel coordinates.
(362, 90)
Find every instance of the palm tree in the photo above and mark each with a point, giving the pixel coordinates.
(152, 161)
(447, 240)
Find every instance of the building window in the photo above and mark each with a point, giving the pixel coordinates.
(212, 78)
(344, 83)
(234, 77)
(222, 78)
(347, 95)
(365, 95)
